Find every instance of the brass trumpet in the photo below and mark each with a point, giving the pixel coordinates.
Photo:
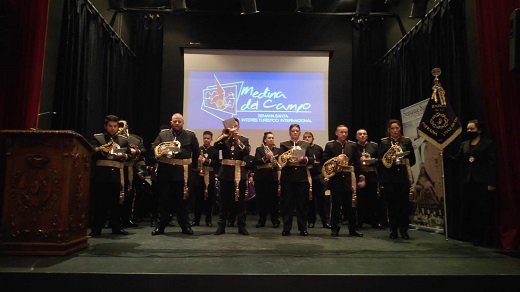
(273, 158)
(226, 134)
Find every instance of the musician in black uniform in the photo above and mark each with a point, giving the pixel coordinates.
(343, 181)
(134, 175)
(108, 177)
(295, 181)
(478, 157)
(176, 151)
(266, 180)
(204, 180)
(369, 206)
(395, 156)
(232, 176)
(319, 203)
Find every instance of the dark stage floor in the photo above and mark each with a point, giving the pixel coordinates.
(265, 261)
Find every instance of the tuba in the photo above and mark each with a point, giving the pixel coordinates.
(167, 149)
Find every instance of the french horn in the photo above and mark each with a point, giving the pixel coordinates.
(332, 166)
(285, 157)
(108, 149)
(390, 157)
(167, 149)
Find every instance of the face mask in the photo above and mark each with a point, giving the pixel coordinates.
(471, 135)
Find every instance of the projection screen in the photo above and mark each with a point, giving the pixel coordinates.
(265, 90)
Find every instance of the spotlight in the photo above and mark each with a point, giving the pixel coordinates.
(364, 7)
(418, 9)
(248, 6)
(303, 5)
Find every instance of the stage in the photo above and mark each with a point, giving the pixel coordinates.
(265, 261)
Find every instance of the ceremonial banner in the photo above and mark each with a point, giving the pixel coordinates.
(439, 124)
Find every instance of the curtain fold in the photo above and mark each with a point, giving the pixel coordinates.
(94, 76)
(406, 79)
(502, 93)
(24, 24)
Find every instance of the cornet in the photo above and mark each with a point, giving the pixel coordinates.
(273, 158)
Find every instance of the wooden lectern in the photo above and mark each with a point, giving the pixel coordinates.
(45, 178)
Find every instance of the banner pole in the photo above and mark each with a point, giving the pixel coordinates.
(444, 194)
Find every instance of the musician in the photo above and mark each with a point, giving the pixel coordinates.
(319, 203)
(295, 181)
(395, 177)
(344, 181)
(266, 181)
(175, 158)
(369, 206)
(108, 176)
(135, 170)
(232, 176)
(478, 156)
(204, 180)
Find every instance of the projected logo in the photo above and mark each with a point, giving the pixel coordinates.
(220, 100)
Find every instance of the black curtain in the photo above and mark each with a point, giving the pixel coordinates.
(147, 44)
(94, 74)
(403, 77)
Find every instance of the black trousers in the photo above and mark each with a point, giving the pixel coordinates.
(172, 200)
(106, 205)
(478, 212)
(203, 205)
(341, 203)
(295, 196)
(320, 204)
(267, 201)
(397, 200)
(229, 205)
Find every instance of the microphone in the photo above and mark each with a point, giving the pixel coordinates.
(46, 113)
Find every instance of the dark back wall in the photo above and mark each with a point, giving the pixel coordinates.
(276, 31)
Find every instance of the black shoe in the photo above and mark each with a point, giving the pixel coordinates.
(304, 233)
(377, 226)
(334, 233)
(353, 232)
(220, 230)
(243, 231)
(311, 225)
(258, 225)
(187, 231)
(276, 224)
(194, 223)
(327, 225)
(95, 233)
(119, 231)
(158, 230)
(286, 232)
(393, 235)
